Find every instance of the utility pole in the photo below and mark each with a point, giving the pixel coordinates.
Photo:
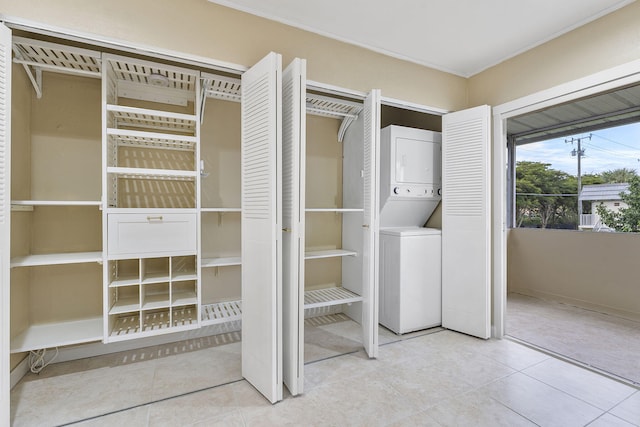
(579, 152)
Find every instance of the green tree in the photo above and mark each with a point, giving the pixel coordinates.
(618, 176)
(537, 199)
(626, 219)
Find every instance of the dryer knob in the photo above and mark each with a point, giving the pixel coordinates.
(439, 191)
(396, 190)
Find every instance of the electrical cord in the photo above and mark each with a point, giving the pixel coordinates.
(37, 360)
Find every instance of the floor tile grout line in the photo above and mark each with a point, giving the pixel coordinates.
(151, 403)
(574, 362)
(571, 395)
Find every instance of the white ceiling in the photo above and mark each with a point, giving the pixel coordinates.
(463, 37)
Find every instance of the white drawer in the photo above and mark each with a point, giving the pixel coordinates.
(162, 234)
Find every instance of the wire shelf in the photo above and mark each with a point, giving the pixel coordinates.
(221, 312)
(141, 139)
(56, 57)
(328, 297)
(153, 74)
(142, 118)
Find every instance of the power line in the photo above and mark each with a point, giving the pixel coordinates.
(615, 142)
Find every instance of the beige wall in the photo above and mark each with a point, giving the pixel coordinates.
(605, 43)
(199, 27)
(593, 270)
(56, 155)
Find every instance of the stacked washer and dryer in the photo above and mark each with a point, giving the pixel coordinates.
(410, 254)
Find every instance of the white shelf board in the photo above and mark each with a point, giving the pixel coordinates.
(221, 261)
(336, 210)
(221, 312)
(182, 276)
(125, 305)
(56, 259)
(154, 301)
(59, 334)
(221, 210)
(126, 325)
(328, 297)
(155, 278)
(144, 173)
(332, 253)
(144, 118)
(155, 140)
(56, 202)
(125, 281)
(183, 298)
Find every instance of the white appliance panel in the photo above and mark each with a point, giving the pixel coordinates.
(412, 161)
(410, 176)
(410, 279)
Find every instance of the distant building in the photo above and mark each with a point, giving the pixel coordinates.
(608, 195)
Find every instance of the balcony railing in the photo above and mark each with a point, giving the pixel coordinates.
(587, 220)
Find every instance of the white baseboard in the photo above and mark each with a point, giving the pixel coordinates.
(19, 371)
(629, 315)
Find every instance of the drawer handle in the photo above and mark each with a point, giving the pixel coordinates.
(154, 218)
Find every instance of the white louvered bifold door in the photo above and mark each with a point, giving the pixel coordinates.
(262, 227)
(293, 184)
(370, 227)
(5, 216)
(466, 222)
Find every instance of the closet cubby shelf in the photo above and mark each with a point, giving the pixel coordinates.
(336, 210)
(48, 335)
(155, 301)
(56, 259)
(328, 297)
(152, 322)
(183, 276)
(156, 174)
(221, 312)
(124, 281)
(148, 279)
(331, 253)
(143, 139)
(125, 305)
(220, 261)
(183, 298)
(143, 118)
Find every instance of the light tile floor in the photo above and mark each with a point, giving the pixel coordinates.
(437, 378)
(606, 342)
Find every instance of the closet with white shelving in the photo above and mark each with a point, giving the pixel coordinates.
(56, 197)
(220, 200)
(120, 228)
(144, 195)
(329, 213)
(151, 157)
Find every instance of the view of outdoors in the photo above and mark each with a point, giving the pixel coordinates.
(547, 181)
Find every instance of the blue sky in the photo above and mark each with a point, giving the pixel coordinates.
(608, 149)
